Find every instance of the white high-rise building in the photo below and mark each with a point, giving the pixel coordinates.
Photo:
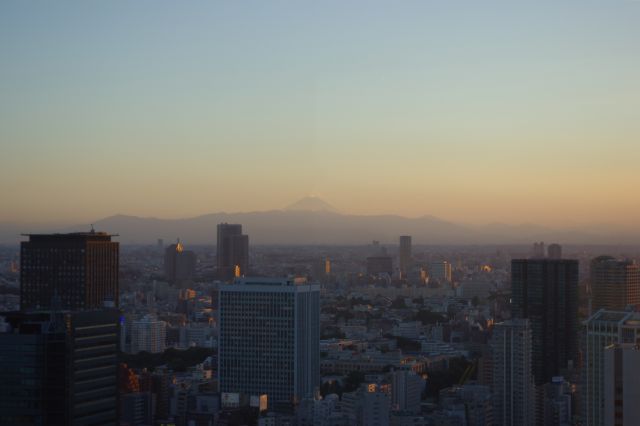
(602, 329)
(513, 386)
(270, 338)
(148, 334)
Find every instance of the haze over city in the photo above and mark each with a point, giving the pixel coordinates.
(473, 112)
(335, 213)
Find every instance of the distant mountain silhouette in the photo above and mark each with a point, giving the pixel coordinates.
(313, 204)
(309, 222)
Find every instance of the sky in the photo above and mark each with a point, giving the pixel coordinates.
(471, 111)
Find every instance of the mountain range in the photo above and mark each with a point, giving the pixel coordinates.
(313, 221)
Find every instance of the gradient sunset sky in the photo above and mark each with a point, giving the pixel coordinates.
(472, 111)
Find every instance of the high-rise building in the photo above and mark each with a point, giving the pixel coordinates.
(602, 329)
(621, 387)
(615, 284)
(406, 391)
(513, 388)
(546, 292)
(377, 265)
(136, 408)
(232, 251)
(369, 405)
(179, 264)
(554, 251)
(405, 255)
(440, 271)
(148, 334)
(557, 403)
(269, 338)
(68, 271)
(59, 368)
(538, 250)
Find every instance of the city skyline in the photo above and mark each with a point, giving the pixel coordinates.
(476, 113)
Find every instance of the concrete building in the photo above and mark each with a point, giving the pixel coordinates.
(148, 334)
(406, 391)
(602, 329)
(270, 338)
(474, 401)
(368, 406)
(77, 270)
(136, 409)
(615, 284)
(621, 387)
(558, 403)
(513, 386)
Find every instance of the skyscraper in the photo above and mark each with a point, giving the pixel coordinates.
(405, 255)
(179, 264)
(513, 387)
(602, 329)
(621, 387)
(546, 292)
(615, 284)
(59, 368)
(79, 270)
(232, 251)
(270, 338)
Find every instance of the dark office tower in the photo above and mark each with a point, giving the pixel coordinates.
(615, 284)
(79, 269)
(554, 251)
(546, 292)
(59, 368)
(405, 254)
(232, 251)
(179, 264)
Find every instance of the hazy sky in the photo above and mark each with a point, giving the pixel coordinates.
(475, 111)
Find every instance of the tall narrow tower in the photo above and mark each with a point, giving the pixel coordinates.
(546, 292)
(405, 255)
(232, 251)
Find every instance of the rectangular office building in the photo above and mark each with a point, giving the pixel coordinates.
(270, 338)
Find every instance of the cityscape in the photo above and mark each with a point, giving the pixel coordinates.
(365, 213)
(95, 332)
